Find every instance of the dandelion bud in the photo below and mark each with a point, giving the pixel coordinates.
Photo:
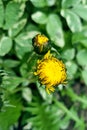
(41, 44)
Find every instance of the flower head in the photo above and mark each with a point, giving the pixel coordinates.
(41, 44)
(51, 72)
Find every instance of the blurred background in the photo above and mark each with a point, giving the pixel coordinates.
(24, 103)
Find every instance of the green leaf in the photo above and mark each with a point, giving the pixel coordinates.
(54, 29)
(23, 70)
(11, 114)
(65, 123)
(82, 57)
(17, 28)
(5, 45)
(80, 125)
(28, 66)
(43, 3)
(81, 11)
(27, 94)
(31, 27)
(71, 69)
(84, 1)
(1, 13)
(24, 40)
(72, 20)
(43, 114)
(23, 44)
(11, 82)
(80, 37)
(39, 17)
(39, 3)
(14, 11)
(68, 54)
(45, 96)
(10, 63)
(70, 3)
(84, 75)
(50, 2)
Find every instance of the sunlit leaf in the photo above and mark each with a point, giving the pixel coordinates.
(68, 54)
(82, 57)
(81, 11)
(13, 12)
(17, 28)
(39, 17)
(72, 20)
(23, 44)
(71, 69)
(54, 29)
(43, 3)
(5, 45)
(69, 3)
(38, 3)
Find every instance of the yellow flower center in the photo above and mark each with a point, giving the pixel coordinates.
(51, 72)
(41, 39)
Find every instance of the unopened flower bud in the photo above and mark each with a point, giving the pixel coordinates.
(41, 44)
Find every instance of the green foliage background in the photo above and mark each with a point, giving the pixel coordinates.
(24, 104)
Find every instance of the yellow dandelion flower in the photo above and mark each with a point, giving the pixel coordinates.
(51, 72)
(41, 44)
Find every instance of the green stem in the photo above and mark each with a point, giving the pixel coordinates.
(30, 58)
